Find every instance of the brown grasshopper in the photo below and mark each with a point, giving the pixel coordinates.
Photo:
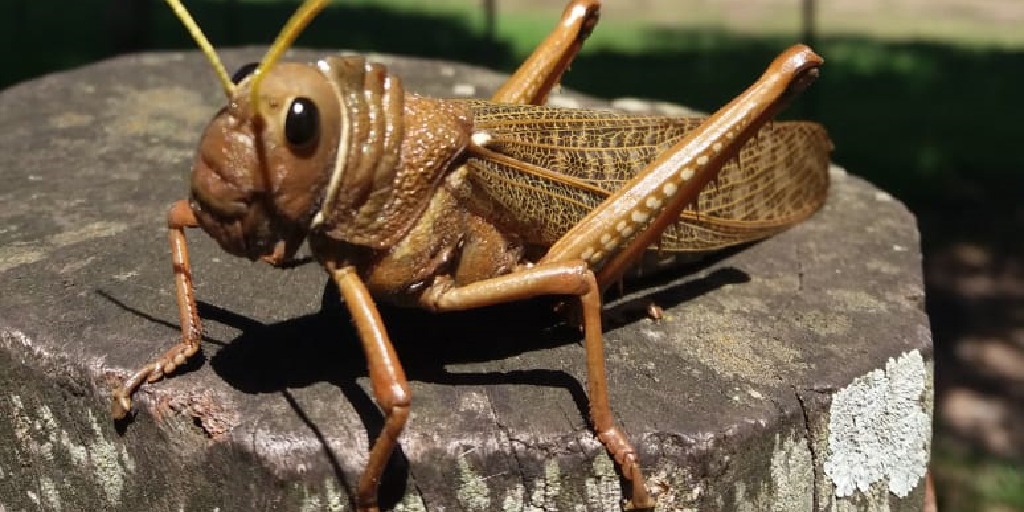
(456, 204)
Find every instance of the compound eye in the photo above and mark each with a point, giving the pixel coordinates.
(302, 126)
(244, 72)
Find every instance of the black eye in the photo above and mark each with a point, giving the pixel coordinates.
(302, 125)
(243, 72)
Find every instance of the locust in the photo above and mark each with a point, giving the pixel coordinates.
(456, 204)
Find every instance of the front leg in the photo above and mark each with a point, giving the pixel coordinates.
(563, 278)
(178, 218)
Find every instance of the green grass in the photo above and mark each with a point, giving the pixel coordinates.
(968, 480)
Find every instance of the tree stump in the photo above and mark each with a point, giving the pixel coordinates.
(793, 374)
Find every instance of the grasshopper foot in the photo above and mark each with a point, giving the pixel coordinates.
(640, 500)
(655, 312)
(120, 403)
(121, 397)
(623, 454)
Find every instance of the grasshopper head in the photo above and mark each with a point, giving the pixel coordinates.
(262, 164)
(263, 160)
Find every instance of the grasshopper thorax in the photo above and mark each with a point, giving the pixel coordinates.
(263, 164)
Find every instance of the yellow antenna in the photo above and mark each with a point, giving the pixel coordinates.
(204, 45)
(303, 15)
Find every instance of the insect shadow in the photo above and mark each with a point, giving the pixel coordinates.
(324, 347)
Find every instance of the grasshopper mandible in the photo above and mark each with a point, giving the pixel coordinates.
(457, 204)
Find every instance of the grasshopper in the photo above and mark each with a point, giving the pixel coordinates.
(457, 204)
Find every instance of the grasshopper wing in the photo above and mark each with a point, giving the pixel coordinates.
(543, 169)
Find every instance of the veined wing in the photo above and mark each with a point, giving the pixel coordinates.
(545, 168)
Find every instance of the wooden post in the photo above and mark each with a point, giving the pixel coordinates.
(793, 374)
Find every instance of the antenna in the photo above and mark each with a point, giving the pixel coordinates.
(204, 45)
(303, 15)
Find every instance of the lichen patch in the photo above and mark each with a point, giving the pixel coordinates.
(880, 430)
(603, 490)
(40, 436)
(792, 470)
(473, 493)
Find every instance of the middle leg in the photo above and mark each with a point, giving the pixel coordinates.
(390, 388)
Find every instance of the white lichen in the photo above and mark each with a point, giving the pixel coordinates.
(50, 494)
(310, 502)
(42, 438)
(603, 490)
(513, 501)
(335, 498)
(545, 490)
(411, 503)
(880, 429)
(792, 469)
(472, 493)
(108, 465)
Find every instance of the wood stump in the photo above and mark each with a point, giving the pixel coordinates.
(793, 374)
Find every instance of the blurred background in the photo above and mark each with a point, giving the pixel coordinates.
(917, 95)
